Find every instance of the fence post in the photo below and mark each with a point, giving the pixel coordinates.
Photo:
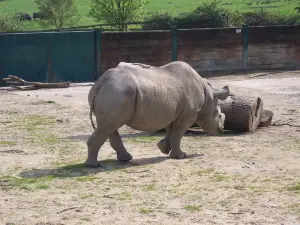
(246, 41)
(98, 50)
(174, 43)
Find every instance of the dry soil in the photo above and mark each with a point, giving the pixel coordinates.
(229, 179)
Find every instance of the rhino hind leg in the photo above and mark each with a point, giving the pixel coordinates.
(96, 140)
(177, 133)
(117, 144)
(164, 144)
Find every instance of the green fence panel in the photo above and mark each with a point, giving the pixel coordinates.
(23, 55)
(48, 56)
(71, 56)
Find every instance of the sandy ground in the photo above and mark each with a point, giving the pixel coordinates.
(229, 179)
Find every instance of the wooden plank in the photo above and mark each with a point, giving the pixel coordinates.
(281, 53)
(190, 54)
(264, 46)
(274, 66)
(209, 46)
(137, 51)
(119, 36)
(212, 41)
(132, 43)
(136, 58)
(216, 63)
(270, 60)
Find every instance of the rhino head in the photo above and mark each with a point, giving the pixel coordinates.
(211, 119)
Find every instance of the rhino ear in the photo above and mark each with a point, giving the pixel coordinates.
(222, 94)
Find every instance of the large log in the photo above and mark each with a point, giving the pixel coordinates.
(242, 113)
(33, 85)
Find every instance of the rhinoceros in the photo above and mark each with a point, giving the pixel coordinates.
(172, 96)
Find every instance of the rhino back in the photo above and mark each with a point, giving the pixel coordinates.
(162, 94)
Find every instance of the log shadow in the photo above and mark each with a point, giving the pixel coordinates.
(79, 169)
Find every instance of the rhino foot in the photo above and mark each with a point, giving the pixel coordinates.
(124, 157)
(177, 155)
(164, 148)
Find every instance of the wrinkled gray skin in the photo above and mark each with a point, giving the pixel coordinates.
(173, 96)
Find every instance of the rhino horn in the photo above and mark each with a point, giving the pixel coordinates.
(222, 94)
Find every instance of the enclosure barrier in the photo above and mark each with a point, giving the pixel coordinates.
(82, 56)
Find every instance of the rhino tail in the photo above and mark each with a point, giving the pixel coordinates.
(92, 102)
(91, 118)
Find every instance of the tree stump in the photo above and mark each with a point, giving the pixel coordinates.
(242, 113)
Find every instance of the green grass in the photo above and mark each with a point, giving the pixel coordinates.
(86, 178)
(150, 187)
(192, 208)
(173, 7)
(145, 211)
(294, 188)
(10, 143)
(9, 182)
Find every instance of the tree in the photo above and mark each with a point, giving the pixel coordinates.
(59, 13)
(8, 23)
(117, 12)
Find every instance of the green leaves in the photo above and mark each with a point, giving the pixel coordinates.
(58, 13)
(117, 12)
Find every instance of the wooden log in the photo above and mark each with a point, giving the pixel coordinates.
(242, 113)
(34, 85)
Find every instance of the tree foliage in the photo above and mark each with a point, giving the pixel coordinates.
(209, 15)
(118, 12)
(59, 13)
(8, 23)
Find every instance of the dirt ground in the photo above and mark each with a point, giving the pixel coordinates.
(229, 179)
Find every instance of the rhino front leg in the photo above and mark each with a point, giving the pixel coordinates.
(178, 130)
(117, 144)
(164, 144)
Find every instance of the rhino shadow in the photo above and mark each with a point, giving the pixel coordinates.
(79, 169)
(194, 132)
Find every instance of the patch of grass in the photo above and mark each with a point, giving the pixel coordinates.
(150, 187)
(85, 219)
(125, 196)
(221, 177)
(205, 171)
(86, 178)
(146, 211)
(42, 186)
(86, 196)
(192, 208)
(294, 188)
(49, 139)
(252, 187)
(8, 182)
(33, 123)
(9, 143)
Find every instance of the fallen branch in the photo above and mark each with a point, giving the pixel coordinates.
(258, 75)
(68, 209)
(6, 122)
(236, 213)
(33, 85)
(284, 124)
